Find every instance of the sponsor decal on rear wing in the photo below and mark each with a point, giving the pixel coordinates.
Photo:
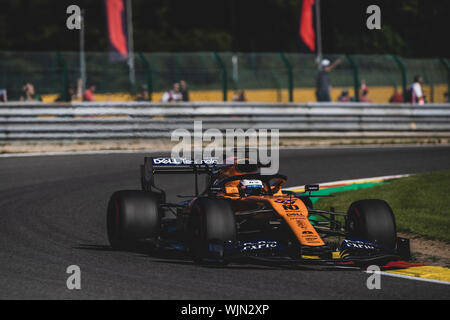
(184, 162)
(178, 165)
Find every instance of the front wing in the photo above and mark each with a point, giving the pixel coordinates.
(270, 253)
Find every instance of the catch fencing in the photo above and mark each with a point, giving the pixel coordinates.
(218, 76)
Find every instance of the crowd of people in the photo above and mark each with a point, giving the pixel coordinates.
(362, 94)
(29, 94)
(414, 93)
(180, 93)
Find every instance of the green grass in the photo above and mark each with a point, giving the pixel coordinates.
(421, 203)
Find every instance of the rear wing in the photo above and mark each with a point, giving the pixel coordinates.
(180, 165)
(161, 165)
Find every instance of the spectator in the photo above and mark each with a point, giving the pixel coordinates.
(396, 97)
(363, 92)
(29, 93)
(364, 97)
(143, 95)
(89, 93)
(344, 97)
(71, 93)
(446, 97)
(3, 95)
(323, 81)
(184, 91)
(415, 94)
(239, 96)
(173, 95)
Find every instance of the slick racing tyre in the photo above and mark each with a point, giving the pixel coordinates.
(307, 201)
(132, 216)
(372, 220)
(212, 221)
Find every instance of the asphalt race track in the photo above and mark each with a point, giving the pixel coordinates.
(52, 215)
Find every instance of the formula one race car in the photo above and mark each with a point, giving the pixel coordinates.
(244, 216)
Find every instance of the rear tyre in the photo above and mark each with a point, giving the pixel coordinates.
(212, 221)
(132, 216)
(372, 220)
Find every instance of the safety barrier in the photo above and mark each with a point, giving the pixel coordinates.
(35, 121)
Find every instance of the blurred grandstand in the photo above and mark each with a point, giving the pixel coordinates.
(265, 77)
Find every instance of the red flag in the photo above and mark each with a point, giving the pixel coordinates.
(307, 32)
(117, 29)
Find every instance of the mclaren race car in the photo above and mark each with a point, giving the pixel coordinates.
(244, 216)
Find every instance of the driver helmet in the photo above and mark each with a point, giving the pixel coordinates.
(251, 187)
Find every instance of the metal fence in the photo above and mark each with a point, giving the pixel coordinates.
(265, 77)
(25, 121)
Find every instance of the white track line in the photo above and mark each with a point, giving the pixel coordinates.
(78, 153)
(396, 275)
(63, 153)
(354, 181)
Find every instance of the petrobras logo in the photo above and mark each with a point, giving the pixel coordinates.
(184, 161)
(259, 245)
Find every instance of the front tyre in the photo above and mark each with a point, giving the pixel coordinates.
(372, 220)
(307, 201)
(212, 221)
(132, 216)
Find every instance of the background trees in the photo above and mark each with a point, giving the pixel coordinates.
(414, 28)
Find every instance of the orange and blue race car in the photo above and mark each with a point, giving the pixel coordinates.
(244, 216)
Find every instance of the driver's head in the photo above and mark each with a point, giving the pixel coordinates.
(251, 187)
